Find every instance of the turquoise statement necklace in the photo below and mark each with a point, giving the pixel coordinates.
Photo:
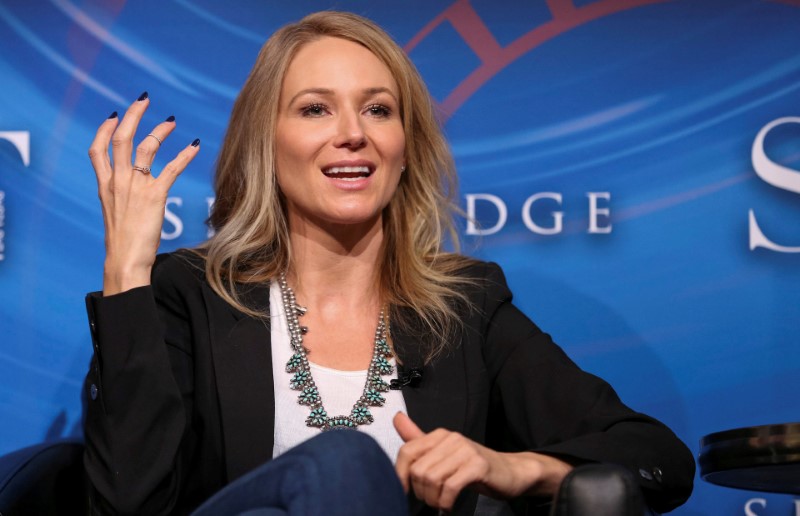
(302, 380)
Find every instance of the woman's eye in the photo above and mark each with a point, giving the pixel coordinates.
(313, 110)
(379, 110)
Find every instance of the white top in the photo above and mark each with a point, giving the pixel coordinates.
(339, 391)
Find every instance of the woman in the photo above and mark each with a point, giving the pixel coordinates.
(325, 274)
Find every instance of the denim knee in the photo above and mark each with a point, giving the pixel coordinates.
(346, 446)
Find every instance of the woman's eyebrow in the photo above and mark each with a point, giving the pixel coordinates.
(368, 92)
(318, 91)
(381, 89)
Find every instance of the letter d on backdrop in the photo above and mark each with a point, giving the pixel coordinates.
(502, 214)
(775, 174)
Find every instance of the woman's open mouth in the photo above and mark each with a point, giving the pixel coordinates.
(348, 173)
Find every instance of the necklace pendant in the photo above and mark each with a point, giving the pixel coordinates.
(295, 363)
(309, 396)
(318, 418)
(299, 380)
(300, 310)
(383, 348)
(339, 422)
(374, 398)
(361, 415)
(377, 383)
(383, 366)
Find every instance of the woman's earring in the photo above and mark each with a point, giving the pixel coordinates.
(402, 169)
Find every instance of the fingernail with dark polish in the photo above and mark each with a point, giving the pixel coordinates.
(196, 142)
(142, 96)
(112, 115)
(170, 118)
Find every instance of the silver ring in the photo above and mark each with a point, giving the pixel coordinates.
(143, 170)
(156, 137)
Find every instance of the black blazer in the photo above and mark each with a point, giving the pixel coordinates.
(181, 395)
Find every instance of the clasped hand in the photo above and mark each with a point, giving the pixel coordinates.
(132, 198)
(439, 464)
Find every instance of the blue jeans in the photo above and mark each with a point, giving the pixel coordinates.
(340, 472)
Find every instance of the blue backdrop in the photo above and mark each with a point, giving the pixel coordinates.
(605, 147)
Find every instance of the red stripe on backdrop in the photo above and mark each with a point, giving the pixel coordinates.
(469, 25)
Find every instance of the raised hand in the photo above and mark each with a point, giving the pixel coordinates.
(132, 198)
(439, 464)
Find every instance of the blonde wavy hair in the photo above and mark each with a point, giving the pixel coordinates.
(418, 280)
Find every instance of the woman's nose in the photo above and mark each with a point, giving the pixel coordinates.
(350, 131)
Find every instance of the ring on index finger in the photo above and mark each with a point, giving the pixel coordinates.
(159, 140)
(143, 170)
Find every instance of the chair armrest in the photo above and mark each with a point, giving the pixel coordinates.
(599, 490)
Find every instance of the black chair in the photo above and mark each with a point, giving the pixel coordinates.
(43, 480)
(599, 490)
(48, 480)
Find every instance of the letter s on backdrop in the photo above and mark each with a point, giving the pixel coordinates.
(172, 218)
(775, 174)
(748, 506)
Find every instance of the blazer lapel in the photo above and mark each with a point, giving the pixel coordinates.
(243, 369)
(440, 399)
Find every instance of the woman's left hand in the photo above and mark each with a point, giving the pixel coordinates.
(439, 464)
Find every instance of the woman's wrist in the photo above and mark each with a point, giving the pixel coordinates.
(119, 279)
(540, 475)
